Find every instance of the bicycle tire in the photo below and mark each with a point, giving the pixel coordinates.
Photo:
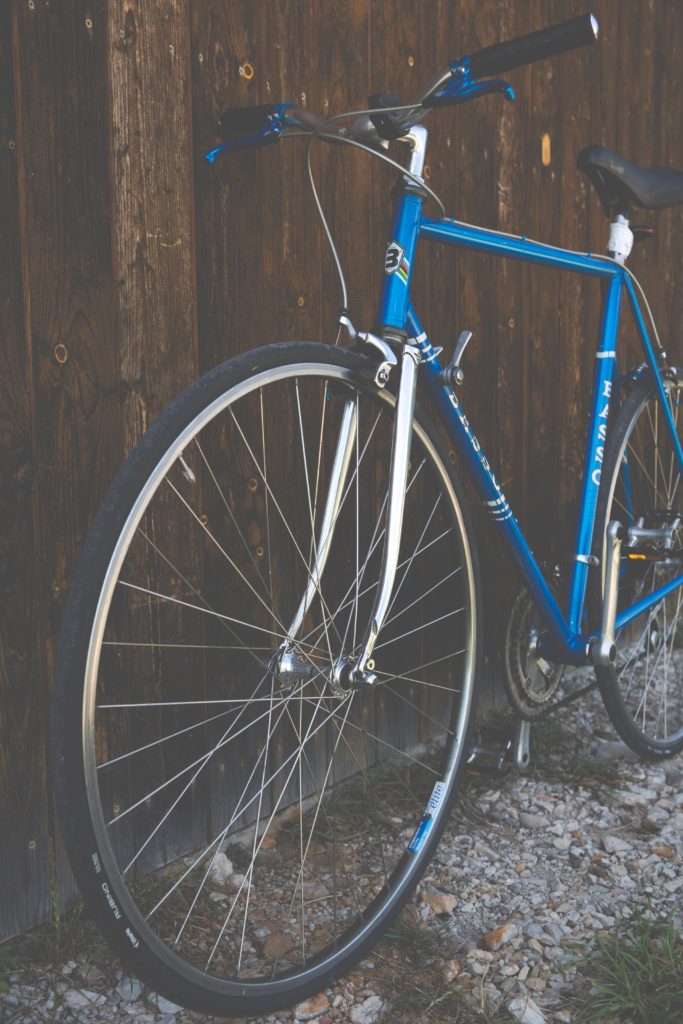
(643, 692)
(191, 469)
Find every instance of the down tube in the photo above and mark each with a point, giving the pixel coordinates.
(573, 647)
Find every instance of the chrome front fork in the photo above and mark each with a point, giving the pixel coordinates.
(340, 469)
(348, 672)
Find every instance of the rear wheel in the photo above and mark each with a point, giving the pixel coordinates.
(243, 828)
(641, 488)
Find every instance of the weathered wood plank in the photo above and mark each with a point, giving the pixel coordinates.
(153, 243)
(71, 327)
(24, 851)
(149, 82)
(589, 114)
(113, 107)
(543, 389)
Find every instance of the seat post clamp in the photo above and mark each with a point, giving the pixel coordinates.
(620, 239)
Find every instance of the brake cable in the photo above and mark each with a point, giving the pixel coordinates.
(321, 133)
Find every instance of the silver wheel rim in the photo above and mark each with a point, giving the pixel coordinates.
(242, 981)
(649, 669)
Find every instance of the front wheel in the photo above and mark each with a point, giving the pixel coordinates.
(641, 488)
(242, 826)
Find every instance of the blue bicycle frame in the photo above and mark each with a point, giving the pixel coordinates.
(565, 642)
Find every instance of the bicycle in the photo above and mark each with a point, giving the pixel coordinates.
(273, 638)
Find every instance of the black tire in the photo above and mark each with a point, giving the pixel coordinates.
(153, 568)
(643, 692)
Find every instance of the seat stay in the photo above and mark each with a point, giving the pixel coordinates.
(651, 360)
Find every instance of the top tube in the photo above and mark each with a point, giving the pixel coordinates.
(452, 232)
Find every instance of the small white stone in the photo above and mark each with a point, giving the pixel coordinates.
(368, 1012)
(81, 998)
(165, 1005)
(525, 1010)
(129, 989)
(613, 844)
(221, 870)
(533, 821)
(236, 882)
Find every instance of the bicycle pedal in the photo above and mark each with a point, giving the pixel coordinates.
(489, 758)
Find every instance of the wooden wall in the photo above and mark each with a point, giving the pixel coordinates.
(128, 266)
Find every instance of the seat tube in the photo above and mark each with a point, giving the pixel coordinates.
(605, 361)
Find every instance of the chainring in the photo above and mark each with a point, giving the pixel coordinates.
(530, 680)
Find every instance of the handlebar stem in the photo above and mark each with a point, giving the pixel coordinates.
(418, 136)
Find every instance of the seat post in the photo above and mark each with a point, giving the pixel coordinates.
(620, 239)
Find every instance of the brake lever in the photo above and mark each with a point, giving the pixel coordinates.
(269, 130)
(463, 87)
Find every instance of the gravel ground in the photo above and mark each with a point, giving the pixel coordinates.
(533, 867)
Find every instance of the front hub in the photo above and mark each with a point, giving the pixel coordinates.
(345, 677)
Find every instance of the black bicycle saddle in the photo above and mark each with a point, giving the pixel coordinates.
(621, 184)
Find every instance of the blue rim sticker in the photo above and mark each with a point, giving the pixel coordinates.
(423, 829)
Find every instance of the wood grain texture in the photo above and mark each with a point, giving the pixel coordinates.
(149, 83)
(24, 860)
(130, 266)
(71, 323)
(153, 244)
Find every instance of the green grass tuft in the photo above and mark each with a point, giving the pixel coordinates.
(6, 968)
(636, 974)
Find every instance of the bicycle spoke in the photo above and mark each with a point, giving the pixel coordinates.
(227, 557)
(406, 700)
(426, 665)
(174, 569)
(418, 629)
(220, 837)
(309, 735)
(390, 746)
(202, 762)
(277, 506)
(206, 611)
(222, 726)
(417, 600)
(163, 739)
(241, 536)
(314, 547)
(299, 879)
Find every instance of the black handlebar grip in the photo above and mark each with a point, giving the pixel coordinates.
(237, 121)
(569, 35)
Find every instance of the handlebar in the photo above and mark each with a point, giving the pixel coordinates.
(257, 126)
(548, 42)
